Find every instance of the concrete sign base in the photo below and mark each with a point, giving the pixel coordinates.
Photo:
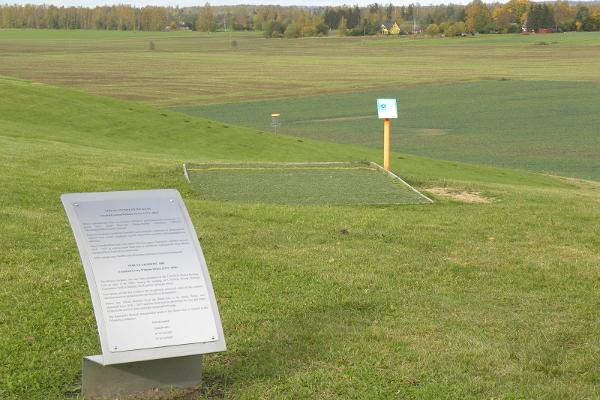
(101, 381)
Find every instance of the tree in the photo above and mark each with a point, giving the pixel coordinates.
(503, 18)
(518, 10)
(332, 17)
(397, 16)
(354, 17)
(439, 14)
(563, 14)
(595, 19)
(540, 17)
(582, 19)
(342, 27)
(242, 18)
(375, 14)
(547, 17)
(534, 18)
(478, 17)
(152, 19)
(355, 20)
(206, 20)
(261, 17)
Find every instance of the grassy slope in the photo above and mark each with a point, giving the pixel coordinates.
(104, 123)
(111, 125)
(544, 126)
(444, 301)
(196, 68)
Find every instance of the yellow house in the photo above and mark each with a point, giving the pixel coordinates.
(386, 29)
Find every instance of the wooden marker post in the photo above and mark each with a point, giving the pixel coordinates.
(386, 109)
(386, 144)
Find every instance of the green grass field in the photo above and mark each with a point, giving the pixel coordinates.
(538, 125)
(303, 183)
(323, 301)
(444, 301)
(195, 68)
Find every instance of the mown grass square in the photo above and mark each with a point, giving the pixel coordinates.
(339, 183)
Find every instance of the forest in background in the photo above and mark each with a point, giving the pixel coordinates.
(296, 21)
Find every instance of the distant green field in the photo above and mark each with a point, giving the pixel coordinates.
(198, 68)
(304, 183)
(500, 100)
(545, 126)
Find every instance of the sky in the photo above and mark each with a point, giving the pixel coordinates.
(186, 3)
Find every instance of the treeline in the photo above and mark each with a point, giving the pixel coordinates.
(279, 21)
(104, 18)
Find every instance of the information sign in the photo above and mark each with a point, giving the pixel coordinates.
(387, 108)
(146, 273)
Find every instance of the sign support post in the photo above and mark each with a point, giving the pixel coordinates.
(386, 109)
(99, 380)
(386, 144)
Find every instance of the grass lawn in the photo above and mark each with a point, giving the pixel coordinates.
(306, 183)
(449, 300)
(539, 125)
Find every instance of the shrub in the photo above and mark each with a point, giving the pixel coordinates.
(292, 31)
(461, 27)
(322, 29)
(433, 30)
(309, 31)
(451, 31)
(355, 31)
(274, 29)
(444, 26)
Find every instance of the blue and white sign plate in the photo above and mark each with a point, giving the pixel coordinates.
(387, 108)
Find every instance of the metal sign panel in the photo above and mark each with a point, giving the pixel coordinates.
(387, 108)
(146, 273)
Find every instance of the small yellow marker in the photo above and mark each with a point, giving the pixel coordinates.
(275, 120)
(386, 109)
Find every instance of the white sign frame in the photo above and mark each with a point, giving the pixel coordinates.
(73, 200)
(387, 108)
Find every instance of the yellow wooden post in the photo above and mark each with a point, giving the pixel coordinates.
(386, 109)
(386, 144)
